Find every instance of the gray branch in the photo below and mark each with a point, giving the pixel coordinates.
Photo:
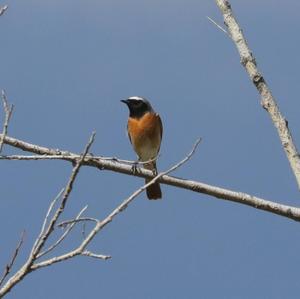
(63, 236)
(3, 9)
(100, 224)
(113, 165)
(47, 229)
(268, 102)
(48, 226)
(8, 112)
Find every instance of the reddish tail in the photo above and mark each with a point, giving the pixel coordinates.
(153, 191)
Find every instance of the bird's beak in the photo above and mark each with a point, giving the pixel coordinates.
(124, 101)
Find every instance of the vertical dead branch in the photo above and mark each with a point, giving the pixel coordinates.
(8, 112)
(268, 102)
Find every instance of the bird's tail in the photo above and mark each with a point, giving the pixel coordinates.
(153, 191)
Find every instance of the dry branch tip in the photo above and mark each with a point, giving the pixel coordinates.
(3, 9)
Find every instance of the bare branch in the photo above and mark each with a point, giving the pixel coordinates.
(8, 112)
(101, 224)
(72, 156)
(130, 161)
(199, 187)
(268, 102)
(66, 194)
(45, 232)
(82, 219)
(47, 216)
(12, 261)
(37, 157)
(3, 9)
(97, 256)
(125, 203)
(63, 236)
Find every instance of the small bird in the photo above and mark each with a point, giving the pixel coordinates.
(145, 130)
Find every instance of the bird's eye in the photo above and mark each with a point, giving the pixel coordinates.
(137, 103)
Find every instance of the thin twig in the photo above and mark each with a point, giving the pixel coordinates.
(8, 112)
(76, 220)
(83, 229)
(63, 236)
(219, 26)
(12, 261)
(47, 216)
(3, 9)
(36, 157)
(94, 255)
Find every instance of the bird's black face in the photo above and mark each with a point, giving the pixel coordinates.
(137, 106)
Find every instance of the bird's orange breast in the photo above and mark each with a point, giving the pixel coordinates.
(145, 134)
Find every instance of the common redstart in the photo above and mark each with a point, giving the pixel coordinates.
(145, 130)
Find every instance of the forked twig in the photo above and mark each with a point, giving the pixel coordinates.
(47, 228)
(100, 224)
(65, 196)
(63, 236)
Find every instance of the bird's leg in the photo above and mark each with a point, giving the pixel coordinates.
(154, 171)
(135, 166)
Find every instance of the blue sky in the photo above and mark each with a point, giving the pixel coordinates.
(67, 64)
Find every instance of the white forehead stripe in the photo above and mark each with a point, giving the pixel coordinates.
(136, 98)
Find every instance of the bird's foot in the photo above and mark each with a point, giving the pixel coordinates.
(154, 171)
(134, 167)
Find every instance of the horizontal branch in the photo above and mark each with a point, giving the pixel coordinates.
(100, 224)
(103, 164)
(76, 220)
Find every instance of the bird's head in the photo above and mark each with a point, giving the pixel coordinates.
(137, 106)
